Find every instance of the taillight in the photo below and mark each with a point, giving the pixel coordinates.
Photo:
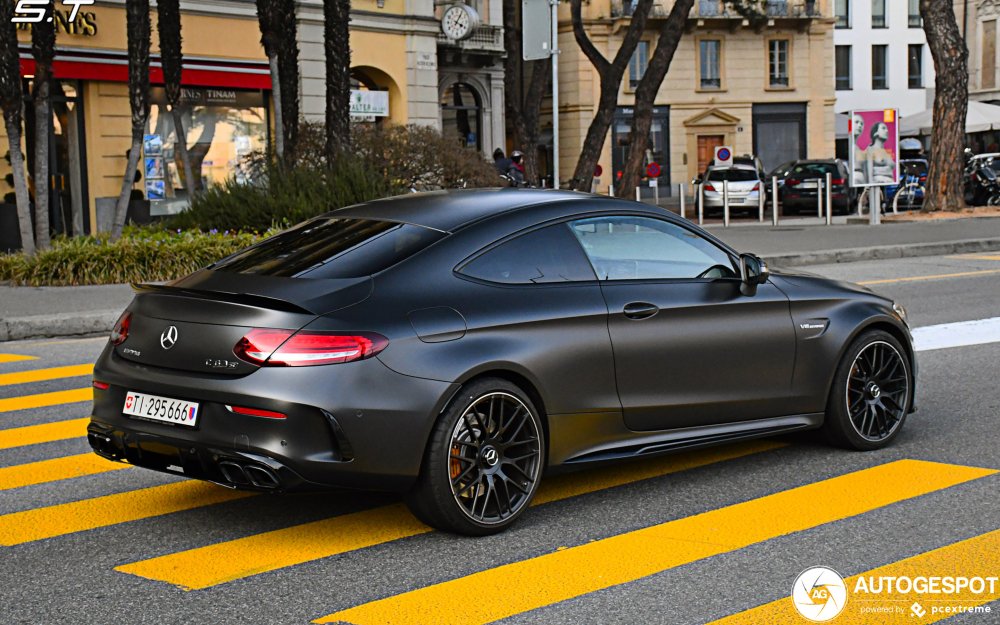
(792, 182)
(120, 332)
(257, 412)
(709, 186)
(756, 187)
(284, 348)
(923, 179)
(837, 181)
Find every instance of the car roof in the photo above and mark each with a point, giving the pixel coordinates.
(448, 211)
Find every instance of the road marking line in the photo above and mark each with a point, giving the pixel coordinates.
(15, 358)
(976, 257)
(79, 516)
(940, 276)
(43, 400)
(44, 433)
(568, 573)
(975, 557)
(41, 375)
(960, 334)
(64, 468)
(224, 562)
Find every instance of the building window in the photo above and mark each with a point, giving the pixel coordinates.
(842, 11)
(878, 14)
(916, 63)
(843, 62)
(778, 62)
(460, 115)
(637, 65)
(988, 79)
(915, 21)
(880, 67)
(711, 62)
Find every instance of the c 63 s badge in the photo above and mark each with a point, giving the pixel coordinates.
(218, 363)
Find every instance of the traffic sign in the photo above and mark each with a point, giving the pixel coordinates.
(723, 156)
(598, 170)
(536, 30)
(653, 170)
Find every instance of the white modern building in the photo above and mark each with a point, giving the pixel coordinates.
(881, 58)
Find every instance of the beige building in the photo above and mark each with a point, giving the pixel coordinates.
(977, 20)
(763, 88)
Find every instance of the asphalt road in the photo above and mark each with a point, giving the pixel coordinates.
(688, 539)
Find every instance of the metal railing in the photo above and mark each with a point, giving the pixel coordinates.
(486, 38)
(796, 9)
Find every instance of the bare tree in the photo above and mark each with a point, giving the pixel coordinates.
(951, 103)
(288, 76)
(12, 103)
(337, 43)
(522, 106)
(611, 73)
(138, 34)
(267, 17)
(43, 49)
(168, 25)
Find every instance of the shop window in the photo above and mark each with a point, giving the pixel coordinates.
(880, 67)
(842, 57)
(710, 53)
(224, 127)
(916, 63)
(778, 63)
(461, 115)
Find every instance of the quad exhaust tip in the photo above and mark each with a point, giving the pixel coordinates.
(248, 475)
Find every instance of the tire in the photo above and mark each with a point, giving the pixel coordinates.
(871, 394)
(483, 462)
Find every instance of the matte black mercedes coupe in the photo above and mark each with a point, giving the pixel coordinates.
(453, 345)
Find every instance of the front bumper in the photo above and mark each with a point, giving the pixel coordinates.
(355, 425)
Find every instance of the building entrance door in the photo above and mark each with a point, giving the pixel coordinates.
(706, 149)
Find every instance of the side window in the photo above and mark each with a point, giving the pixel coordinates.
(641, 248)
(543, 256)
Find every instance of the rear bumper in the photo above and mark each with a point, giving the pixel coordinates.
(357, 425)
(714, 201)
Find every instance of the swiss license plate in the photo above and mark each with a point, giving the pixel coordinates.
(166, 409)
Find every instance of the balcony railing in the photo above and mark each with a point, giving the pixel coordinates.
(802, 9)
(487, 38)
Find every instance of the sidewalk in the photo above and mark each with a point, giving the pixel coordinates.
(31, 312)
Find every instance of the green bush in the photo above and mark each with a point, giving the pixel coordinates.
(141, 255)
(281, 197)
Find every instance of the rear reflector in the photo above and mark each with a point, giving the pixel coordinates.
(120, 331)
(257, 412)
(101, 386)
(284, 348)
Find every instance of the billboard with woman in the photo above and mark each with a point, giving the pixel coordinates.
(874, 147)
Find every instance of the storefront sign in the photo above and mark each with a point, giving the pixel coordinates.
(375, 103)
(195, 96)
(83, 24)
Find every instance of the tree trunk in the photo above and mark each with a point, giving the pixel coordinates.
(43, 120)
(530, 112)
(20, 189)
(611, 79)
(337, 44)
(138, 30)
(193, 184)
(128, 181)
(279, 131)
(951, 103)
(671, 32)
(288, 77)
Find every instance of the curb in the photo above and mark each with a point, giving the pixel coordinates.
(906, 250)
(64, 324)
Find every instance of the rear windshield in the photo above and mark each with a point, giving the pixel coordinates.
(733, 175)
(332, 248)
(814, 169)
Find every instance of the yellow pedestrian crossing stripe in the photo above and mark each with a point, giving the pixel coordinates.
(56, 469)
(40, 523)
(223, 562)
(568, 573)
(15, 358)
(44, 400)
(976, 557)
(44, 433)
(42, 375)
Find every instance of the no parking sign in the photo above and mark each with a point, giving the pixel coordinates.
(653, 170)
(723, 156)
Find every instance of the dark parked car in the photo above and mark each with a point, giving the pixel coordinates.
(801, 183)
(455, 345)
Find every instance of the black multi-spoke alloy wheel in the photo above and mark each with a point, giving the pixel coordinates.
(871, 393)
(483, 462)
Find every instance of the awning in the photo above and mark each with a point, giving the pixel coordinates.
(980, 118)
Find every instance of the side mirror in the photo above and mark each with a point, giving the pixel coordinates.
(753, 272)
(696, 181)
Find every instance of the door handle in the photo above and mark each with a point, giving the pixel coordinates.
(640, 310)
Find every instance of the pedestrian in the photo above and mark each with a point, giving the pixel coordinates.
(501, 162)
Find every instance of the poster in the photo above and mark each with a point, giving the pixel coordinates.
(155, 190)
(874, 147)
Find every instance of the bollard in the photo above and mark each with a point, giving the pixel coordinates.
(819, 198)
(681, 189)
(725, 203)
(638, 195)
(656, 193)
(611, 190)
(774, 201)
(761, 200)
(829, 199)
(701, 203)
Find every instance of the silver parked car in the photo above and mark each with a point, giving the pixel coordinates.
(745, 188)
